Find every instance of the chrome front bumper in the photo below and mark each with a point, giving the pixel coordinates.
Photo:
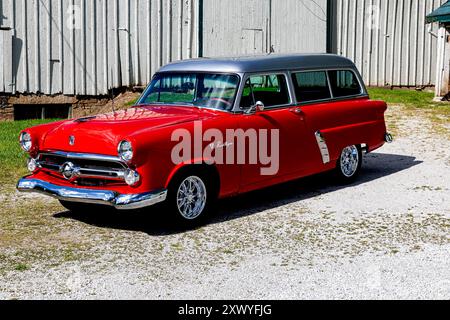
(104, 197)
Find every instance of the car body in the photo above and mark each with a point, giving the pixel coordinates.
(317, 103)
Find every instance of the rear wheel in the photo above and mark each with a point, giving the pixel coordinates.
(349, 164)
(191, 196)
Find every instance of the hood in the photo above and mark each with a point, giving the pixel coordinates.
(107, 130)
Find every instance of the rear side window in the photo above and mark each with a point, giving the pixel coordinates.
(344, 83)
(272, 90)
(311, 86)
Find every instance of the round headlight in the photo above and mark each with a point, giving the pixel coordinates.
(25, 141)
(125, 151)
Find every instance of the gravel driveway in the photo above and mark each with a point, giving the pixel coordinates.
(386, 236)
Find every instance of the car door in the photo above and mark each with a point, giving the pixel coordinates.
(284, 126)
(338, 122)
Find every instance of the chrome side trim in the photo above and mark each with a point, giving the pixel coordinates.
(104, 197)
(323, 147)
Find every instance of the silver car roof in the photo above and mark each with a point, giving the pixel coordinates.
(263, 63)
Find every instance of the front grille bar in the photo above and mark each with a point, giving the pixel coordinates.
(92, 171)
(84, 156)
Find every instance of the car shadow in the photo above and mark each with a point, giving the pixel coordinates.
(153, 220)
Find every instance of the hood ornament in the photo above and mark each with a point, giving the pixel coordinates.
(71, 140)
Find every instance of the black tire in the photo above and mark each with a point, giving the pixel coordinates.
(200, 179)
(346, 172)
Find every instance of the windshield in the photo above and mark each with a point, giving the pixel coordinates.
(217, 91)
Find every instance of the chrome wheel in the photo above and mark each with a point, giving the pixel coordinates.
(349, 161)
(191, 197)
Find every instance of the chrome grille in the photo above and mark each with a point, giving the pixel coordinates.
(81, 166)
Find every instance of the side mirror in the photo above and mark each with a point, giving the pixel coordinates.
(258, 107)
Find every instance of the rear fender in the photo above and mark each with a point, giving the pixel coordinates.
(370, 133)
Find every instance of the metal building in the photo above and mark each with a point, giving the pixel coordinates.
(87, 47)
(233, 27)
(441, 17)
(389, 40)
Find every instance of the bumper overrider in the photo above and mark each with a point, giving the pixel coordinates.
(103, 197)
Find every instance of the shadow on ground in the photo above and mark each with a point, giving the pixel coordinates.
(153, 222)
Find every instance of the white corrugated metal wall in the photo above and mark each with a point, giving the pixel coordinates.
(389, 40)
(85, 47)
(299, 26)
(233, 27)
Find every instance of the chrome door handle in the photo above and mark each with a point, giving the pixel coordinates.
(297, 110)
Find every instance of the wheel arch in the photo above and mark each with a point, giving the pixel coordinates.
(209, 170)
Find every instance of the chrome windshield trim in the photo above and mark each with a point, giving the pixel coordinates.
(140, 102)
(92, 196)
(168, 105)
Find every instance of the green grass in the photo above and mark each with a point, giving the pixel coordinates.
(407, 98)
(415, 103)
(131, 102)
(413, 98)
(21, 267)
(12, 157)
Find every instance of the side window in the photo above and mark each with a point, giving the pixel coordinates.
(344, 83)
(311, 86)
(272, 90)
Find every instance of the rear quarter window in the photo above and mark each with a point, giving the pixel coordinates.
(311, 86)
(344, 83)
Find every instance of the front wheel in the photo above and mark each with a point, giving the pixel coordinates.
(190, 198)
(349, 164)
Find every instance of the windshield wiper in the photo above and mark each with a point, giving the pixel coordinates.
(85, 119)
(167, 103)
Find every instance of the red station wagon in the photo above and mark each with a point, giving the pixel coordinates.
(206, 129)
